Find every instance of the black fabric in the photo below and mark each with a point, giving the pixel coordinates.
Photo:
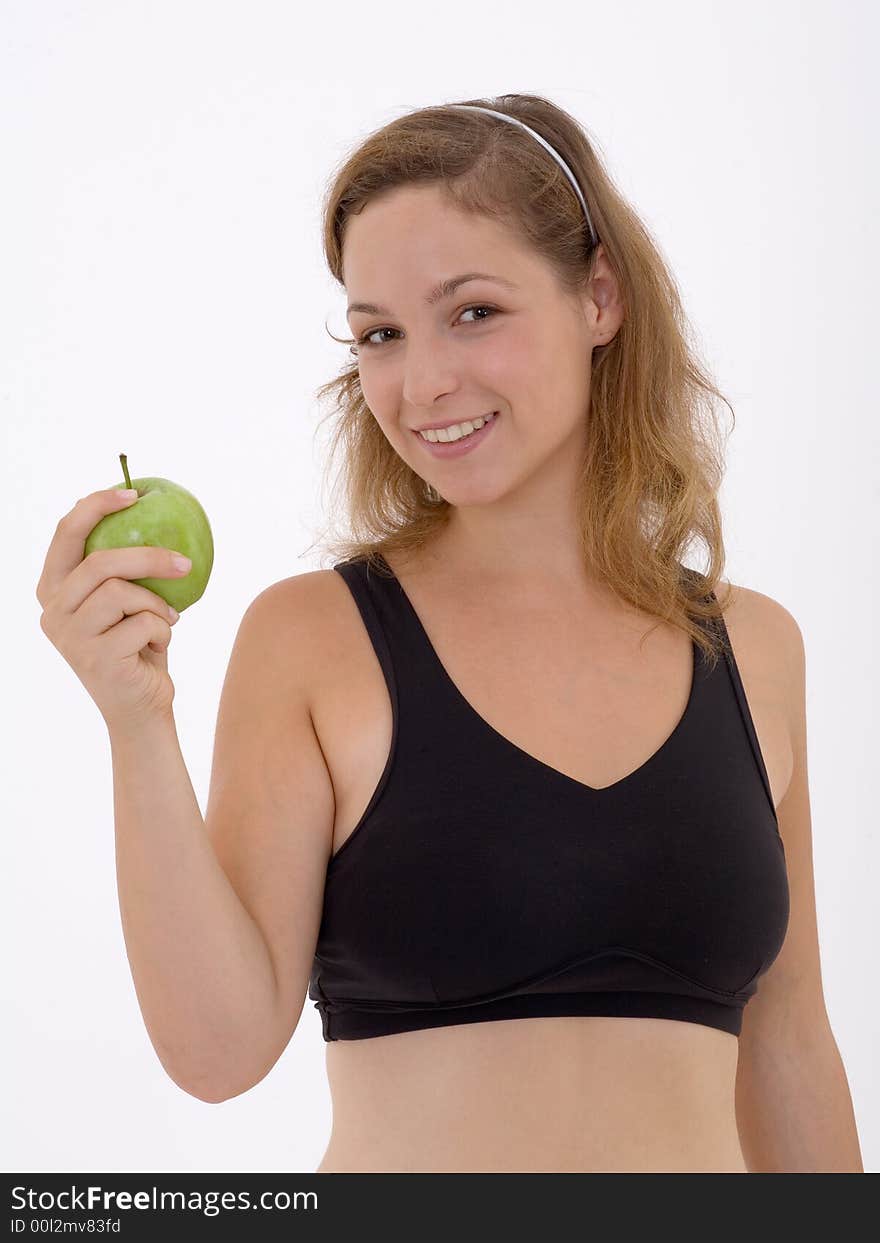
(482, 884)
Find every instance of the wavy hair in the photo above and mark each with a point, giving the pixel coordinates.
(648, 486)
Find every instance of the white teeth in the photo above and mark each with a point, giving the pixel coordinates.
(457, 430)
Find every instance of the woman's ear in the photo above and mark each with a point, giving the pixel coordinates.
(604, 304)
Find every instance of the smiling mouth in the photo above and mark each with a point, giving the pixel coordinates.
(442, 435)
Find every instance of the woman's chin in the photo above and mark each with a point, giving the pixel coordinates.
(473, 495)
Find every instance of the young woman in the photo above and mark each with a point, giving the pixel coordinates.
(507, 792)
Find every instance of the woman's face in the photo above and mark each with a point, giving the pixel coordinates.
(427, 361)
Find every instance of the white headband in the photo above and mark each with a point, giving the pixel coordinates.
(556, 156)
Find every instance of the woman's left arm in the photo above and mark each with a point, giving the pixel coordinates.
(794, 1111)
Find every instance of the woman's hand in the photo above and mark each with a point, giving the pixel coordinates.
(113, 633)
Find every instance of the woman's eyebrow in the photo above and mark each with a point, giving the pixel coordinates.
(440, 291)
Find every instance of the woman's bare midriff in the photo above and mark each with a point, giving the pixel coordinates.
(536, 1095)
(554, 1094)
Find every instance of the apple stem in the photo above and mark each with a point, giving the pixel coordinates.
(123, 457)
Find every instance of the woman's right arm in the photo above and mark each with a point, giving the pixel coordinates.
(219, 955)
(201, 967)
(221, 916)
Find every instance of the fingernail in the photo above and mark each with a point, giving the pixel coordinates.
(127, 494)
(181, 562)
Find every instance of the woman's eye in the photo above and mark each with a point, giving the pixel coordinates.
(370, 344)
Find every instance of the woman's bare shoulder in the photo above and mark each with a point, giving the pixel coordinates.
(307, 615)
(306, 589)
(760, 621)
(303, 605)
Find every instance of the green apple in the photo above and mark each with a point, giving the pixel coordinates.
(165, 515)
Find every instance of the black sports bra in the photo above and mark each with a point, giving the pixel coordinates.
(481, 884)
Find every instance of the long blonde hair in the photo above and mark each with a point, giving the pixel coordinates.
(649, 482)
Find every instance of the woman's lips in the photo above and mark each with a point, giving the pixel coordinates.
(458, 448)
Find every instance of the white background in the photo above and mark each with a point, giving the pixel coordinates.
(163, 294)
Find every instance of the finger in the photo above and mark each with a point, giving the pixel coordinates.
(134, 634)
(138, 561)
(68, 544)
(114, 600)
